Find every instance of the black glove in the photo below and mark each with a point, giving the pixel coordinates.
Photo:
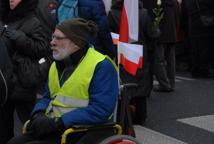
(13, 34)
(42, 126)
(2, 30)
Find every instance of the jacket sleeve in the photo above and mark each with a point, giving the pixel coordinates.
(42, 104)
(103, 93)
(32, 41)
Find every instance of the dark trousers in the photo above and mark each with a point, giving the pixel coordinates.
(201, 53)
(140, 114)
(23, 110)
(92, 137)
(164, 65)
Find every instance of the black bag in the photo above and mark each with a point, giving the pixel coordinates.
(30, 72)
(206, 20)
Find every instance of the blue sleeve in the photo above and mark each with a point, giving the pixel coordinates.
(103, 94)
(44, 102)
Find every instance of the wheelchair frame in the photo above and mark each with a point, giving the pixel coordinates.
(124, 129)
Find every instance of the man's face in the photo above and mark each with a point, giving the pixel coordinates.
(61, 46)
(14, 3)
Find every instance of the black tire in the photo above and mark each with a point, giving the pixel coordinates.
(120, 138)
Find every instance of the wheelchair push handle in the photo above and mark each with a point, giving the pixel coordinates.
(128, 85)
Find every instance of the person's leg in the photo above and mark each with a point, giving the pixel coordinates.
(24, 109)
(195, 69)
(23, 139)
(160, 67)
(29, 139)
(170, 59)
(6, 122)
(205, 46)
(140, 111)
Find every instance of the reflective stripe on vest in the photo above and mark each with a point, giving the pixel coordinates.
(74, 92)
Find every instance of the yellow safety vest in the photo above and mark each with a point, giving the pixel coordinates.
(74, 92)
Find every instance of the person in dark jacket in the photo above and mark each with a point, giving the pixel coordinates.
(23, 36)
(144, 77)
(46, 13)
(165, 51)
(6, 87)
(201, 37)
(82, 86)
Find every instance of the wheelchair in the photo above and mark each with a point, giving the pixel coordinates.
(122, 127)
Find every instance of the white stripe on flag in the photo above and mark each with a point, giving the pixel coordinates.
(132, 11)
(132, 52)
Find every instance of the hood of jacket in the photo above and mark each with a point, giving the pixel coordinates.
(24, 8)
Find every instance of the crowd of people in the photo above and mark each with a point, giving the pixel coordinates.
(63, 50)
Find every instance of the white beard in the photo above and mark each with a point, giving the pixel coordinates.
(61, 53)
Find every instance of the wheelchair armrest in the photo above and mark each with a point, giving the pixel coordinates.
(24, 128)
(82, 128)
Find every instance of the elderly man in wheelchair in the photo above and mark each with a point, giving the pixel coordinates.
(82, 89)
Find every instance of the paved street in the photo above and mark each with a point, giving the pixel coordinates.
(185, 116)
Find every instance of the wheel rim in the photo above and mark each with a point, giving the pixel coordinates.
(122, 142)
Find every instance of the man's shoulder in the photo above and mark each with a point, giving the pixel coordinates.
(105, 65)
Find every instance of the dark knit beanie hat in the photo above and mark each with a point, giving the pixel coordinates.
(78, 30)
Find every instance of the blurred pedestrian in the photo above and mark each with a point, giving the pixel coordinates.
(164, 55)
(6, 87)
(26, 45)
(201, 36)
(46, 13)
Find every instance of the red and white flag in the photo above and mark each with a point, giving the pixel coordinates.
(130, 55)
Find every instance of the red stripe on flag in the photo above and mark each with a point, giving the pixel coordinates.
(140, 63)
(128, 65)
(124, 27)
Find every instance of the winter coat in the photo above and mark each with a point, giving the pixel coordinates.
(95, 10)
(168, 25)
(46, 13)
(6, 78)
(190, 16)
(26, 44)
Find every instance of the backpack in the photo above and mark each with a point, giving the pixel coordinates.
(67, 9)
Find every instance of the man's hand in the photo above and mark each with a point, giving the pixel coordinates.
(41, 125)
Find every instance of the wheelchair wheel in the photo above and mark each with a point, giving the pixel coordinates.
(120, 139)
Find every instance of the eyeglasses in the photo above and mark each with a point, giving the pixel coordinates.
(58, 37)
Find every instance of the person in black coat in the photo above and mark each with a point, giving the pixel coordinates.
(144, 77)
(6, 71)
(165, 50)
(46, 13)
(201, 37)
(6, 85)
(26, 45)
